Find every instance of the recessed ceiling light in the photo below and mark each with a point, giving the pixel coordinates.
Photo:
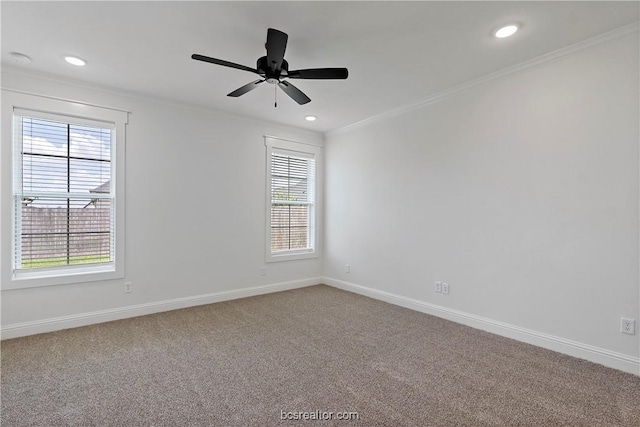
(20, 57)
(75, 61)
(310, 118)
(506, 31)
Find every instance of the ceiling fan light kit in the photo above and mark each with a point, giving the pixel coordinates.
(274, 69)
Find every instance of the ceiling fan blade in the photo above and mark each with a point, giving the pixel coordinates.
(223, 63)
(276, 45)
(295, 93)
(319, 73)
(246, 88)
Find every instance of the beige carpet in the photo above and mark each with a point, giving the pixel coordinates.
(250, 362)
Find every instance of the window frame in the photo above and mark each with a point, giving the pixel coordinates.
(19, 103)
(277, 145)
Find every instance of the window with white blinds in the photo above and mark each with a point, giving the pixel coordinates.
(64, 199)
(291, 189)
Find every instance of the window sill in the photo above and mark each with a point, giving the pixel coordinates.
(62, 276)
(291, 255)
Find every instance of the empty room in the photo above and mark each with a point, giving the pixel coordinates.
(320, 213)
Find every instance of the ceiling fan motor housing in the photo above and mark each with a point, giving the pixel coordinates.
(272, 75)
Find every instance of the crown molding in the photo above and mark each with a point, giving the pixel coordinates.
(618, 34)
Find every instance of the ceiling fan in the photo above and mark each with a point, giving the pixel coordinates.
(273, 68)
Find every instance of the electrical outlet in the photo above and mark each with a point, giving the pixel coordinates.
(263, 271)
(347, 268)
(128, 287)
(627, 326)
(445, 288)
(438, 286)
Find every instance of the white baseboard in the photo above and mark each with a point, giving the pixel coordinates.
(602, 356)
(73, 321)
(605, 357)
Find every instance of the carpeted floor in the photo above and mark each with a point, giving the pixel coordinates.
(251, 362)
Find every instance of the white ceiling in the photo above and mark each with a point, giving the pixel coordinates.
(397, 53)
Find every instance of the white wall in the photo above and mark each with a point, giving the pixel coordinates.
(195, 207)
(522, 193)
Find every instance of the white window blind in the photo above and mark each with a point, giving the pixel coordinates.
(64, 198)
(292, 193)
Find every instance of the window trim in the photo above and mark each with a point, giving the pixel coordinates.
(14, 102)
(274, 144)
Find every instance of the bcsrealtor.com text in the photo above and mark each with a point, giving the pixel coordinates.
(319, 415)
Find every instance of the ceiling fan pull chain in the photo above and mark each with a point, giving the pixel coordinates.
(275, 97)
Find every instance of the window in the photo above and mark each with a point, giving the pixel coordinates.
(65, 208)
(291, 190)
(63, 199)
